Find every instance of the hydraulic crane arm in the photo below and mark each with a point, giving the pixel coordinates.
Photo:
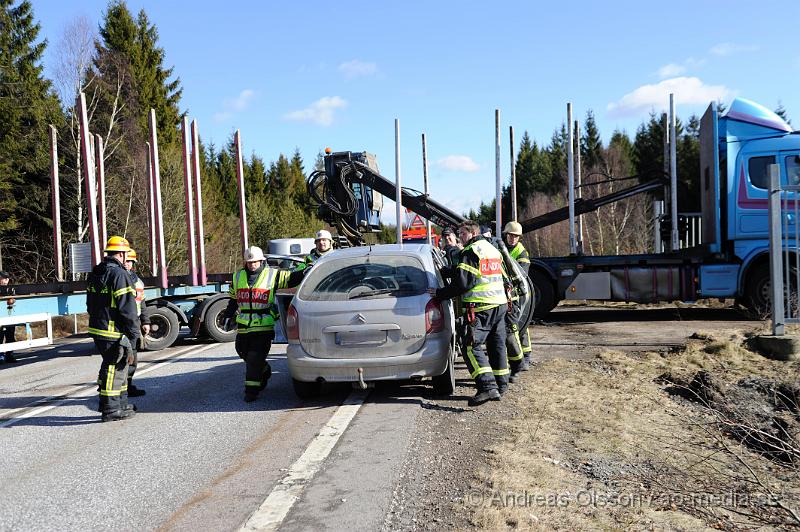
(332, 188)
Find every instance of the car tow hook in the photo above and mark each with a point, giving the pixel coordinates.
(361, 383)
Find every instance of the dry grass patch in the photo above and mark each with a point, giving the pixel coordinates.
(602, 444)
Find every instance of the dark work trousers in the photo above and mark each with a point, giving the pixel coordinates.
(485, 355)
(7, 334)
(112, 380)
(513, 343)
(525, 340)
(132, 367)
(253, 348)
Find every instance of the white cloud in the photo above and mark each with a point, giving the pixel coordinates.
(728, 48)
(230, 106)
(687, 90)
(356, 69)
(458, 163)
(319, 112)
(671, 70)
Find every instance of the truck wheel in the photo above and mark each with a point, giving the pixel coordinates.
(306, 390)
(544, 294)
(445, 384)
(164, 329)
(757, 290)
(214, 322)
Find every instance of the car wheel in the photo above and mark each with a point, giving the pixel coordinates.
(164, 329)
(445, 384)
(306, 390)
(214, 322)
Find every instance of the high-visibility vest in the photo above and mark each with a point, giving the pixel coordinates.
(489, 291)
(310, 259)
(256, 309)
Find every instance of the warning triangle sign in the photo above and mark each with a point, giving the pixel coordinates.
(417, 222)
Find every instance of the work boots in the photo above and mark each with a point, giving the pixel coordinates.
(119, 415)
(135, 391)
(483, 396)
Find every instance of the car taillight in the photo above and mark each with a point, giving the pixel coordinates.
(434, 317)
(292, 324)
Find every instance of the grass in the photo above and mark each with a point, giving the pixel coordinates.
(599, 444)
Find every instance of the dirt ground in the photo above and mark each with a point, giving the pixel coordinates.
(645, 418)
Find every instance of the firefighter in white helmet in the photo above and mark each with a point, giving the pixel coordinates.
(253, 295)
(323, 243)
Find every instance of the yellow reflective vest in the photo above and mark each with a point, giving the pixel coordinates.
(257, 311)
(488, 291)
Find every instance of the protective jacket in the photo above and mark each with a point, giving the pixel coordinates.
(111, 302)
(478, 277)
(311, 258)
(520, 254)
(254, 296)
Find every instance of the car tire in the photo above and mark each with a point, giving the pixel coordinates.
(306, 390)
(214, 322)
(445, 384)
(164, 329)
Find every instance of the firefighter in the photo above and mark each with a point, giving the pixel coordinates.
(451, 248)
(512, 233)
(479, 282)
(253, 295)
(144, 320)
(323, 243)
(114, 326)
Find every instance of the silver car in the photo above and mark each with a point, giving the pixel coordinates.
(364, 314)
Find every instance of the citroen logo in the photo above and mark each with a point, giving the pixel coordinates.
(360, 317)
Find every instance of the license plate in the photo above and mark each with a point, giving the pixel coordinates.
(360, 338)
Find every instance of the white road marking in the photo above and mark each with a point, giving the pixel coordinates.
(276, 506)
(87, 390)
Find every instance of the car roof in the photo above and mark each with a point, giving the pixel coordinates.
(421, 250)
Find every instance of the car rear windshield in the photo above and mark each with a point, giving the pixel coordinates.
(365, 278)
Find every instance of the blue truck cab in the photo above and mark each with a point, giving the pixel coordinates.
(736, 151)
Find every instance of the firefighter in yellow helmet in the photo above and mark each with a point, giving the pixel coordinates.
(512, 234)
(253, 295)
(479, 280)
(114, 326)
(144, 320)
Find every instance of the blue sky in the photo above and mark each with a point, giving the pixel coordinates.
(314, 74)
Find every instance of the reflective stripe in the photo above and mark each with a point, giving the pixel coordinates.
(126, 290)
(501, 372)
(104, 333)
(110, 393)
(255, 302)
(469, 268)
(480, 308)
(524, 260)
(526, 349)
(479, 370)
(252, 383)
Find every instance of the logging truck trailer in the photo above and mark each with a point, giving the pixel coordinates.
(737, 151)
(200, 308)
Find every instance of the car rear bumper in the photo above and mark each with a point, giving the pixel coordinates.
(429, 361)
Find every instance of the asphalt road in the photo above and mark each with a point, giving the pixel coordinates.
(195, 456)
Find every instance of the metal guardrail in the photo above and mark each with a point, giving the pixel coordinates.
(29, 341)
(784, 240)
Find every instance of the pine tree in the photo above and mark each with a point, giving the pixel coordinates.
(590, 142)
(557, 152)
(28, 105)
(524, 169)
(781, 112)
